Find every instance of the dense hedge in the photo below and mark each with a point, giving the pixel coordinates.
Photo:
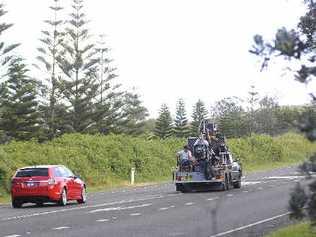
(99, 160)
(106, 160)
(263, 150)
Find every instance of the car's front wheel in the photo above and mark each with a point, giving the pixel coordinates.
(83, 198)
(16, 203)
(63, 198)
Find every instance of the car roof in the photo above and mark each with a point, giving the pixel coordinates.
(40, 166)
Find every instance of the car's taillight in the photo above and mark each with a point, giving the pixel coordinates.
(51, 182)
(14, 182)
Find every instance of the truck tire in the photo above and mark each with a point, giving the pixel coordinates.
(185, 188)
(237, 184)
(179, 187)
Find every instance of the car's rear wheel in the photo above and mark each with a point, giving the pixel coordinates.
(83, 198)
(16, 203)
(63, 198)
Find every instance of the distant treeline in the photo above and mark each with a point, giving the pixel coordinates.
(234, 116)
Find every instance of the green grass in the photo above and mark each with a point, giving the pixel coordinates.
(298, 230)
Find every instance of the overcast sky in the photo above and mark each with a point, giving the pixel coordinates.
(171, 49)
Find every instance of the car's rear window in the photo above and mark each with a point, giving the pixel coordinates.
(30, 172)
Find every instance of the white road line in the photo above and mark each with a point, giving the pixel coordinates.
(230, 195)
(245, 191)
(250, 225)
(212, 199)
(285, 177)
(135, 214)
(114, 217)
(12, 235)
(165, 208)
(246, 183)
(102, 220)
(61, 228)
(120, 208)
(173, 195)
(260, 188)
(189, 203)
(80, 208)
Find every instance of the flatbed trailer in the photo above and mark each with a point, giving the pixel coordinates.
(226, 178)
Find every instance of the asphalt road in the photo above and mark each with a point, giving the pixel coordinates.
(158, 210)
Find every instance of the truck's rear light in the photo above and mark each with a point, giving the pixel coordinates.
(51, 182)
(179, 178)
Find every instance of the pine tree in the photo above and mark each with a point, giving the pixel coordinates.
(181, 128)
(19, 118)
(52, 45)
(163, 126)
(230, 117)
(199, 113)
(253, 102)
(5, 49)
(108, 106)
(134, 114)
(78, 63)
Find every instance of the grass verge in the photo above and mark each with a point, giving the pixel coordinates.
(297, 230)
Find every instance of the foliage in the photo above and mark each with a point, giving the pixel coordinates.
(19, 117)
(199, 113)
(98, 159)
(110, 99)
(106, 160)
(5, 49)
(164, 126)
(181, 128)
(134, 115)
(259, 150)
(230, 117)
(51, 41)
(301, 230)
(78, 63)
(297, 45)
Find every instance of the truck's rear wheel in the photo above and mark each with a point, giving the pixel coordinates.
(237, 184)
(179, 187)
(185, 188)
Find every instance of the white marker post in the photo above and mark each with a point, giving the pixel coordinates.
(132, 175)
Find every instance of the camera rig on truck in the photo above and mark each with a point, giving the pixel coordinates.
(212, 164)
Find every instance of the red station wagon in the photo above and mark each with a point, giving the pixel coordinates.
(46, 183)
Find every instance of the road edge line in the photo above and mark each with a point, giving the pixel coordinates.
(250, 225)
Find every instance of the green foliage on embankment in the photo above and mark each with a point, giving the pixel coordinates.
(266, 152)
(106, 160)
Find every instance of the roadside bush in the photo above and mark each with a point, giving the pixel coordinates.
(106, 160)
